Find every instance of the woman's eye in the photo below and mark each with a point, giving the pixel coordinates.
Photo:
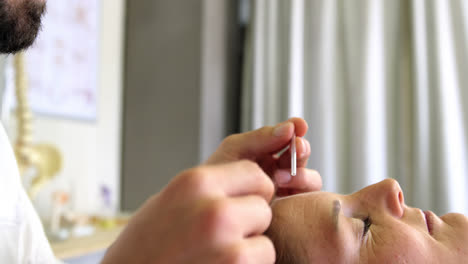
(367, 224)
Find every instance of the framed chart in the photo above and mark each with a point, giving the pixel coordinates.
(63, 63)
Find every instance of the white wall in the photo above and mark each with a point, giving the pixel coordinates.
(91, 150)
(181, 89)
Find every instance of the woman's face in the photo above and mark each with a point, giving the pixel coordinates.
(370, 226)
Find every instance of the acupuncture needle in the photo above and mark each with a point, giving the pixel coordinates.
(336, 208)
(293, 155)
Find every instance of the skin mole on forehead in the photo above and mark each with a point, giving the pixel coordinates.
(336, 208)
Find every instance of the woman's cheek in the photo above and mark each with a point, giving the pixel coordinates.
(394, 246)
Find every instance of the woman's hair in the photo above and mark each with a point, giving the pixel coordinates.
(276, 232)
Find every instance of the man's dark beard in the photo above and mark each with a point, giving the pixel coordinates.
(20, 24)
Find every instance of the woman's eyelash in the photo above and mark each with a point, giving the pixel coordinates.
(367, 223)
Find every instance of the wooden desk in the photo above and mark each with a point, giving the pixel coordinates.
(79, 246)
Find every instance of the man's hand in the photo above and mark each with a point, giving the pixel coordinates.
(209, 214)
(261, 146)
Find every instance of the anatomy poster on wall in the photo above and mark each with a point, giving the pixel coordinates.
(62, 64)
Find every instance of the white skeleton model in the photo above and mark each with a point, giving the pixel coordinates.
(44, 159)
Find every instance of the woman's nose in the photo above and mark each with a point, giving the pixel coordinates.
(389, 194)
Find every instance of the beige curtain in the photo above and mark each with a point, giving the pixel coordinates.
(382, 84)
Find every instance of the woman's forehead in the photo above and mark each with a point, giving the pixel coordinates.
(309, 219)
(307, 197)
(317, 205)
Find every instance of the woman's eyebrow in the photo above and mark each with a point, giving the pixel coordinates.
(336, 208)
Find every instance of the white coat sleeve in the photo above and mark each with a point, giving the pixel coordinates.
(22, 237)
